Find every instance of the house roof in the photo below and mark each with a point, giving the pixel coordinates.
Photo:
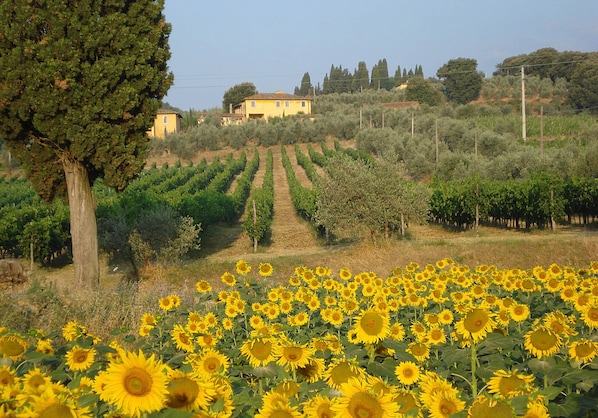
(279, 95)
(162, 111)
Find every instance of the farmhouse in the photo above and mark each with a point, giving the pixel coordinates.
(270, 105)
(167, 121)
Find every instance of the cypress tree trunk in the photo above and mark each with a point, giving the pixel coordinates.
(84, 230)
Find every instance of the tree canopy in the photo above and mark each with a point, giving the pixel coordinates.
(462, 81)
(79, 88)
(237, 93)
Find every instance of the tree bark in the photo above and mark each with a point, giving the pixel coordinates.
(84, 230)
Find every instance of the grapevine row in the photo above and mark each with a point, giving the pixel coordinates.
(304, 199)
(260, 206)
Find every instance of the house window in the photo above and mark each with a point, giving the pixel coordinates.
(303, 103)
(164, 120)
(287, 103)
(253, 103)
(278, 103)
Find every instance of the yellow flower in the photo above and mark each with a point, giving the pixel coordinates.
(407, 372)
(485, 407)
(51, 404)
(203, 286)
(319, 407)
(312, 371)
(475, 324)
(148, 319)
(341, 370)
(181, 338)
(444, 404)
(292, 355)
(165, 303)
(209, 363)
(436, 336)
(136, 386)
(583, 351)
(590, 316)
(78, 359)
(265, 269)
(359, 400)
(228, 279)
(242, 267)
(72, 330)
(7, 376)
(542, 342)
(408, 403)
(259, 351)
(519, 312)
(419, 350)
(12, 346)
(509, 385)
(188, 392)
(371, 326)
(276, 406)
(44, 346)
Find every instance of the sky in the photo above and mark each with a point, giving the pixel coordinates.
(216, 45)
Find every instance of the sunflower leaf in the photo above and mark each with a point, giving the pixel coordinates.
(384, 369)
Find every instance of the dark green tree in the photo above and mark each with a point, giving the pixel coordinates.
(423, 91)
(80, 85)
(361, 77)
(583, 92)
(236, 94)
(380, 78)
(462, 81)
(398, 78)
(306, 86)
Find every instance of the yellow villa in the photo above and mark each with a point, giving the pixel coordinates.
(167, 121)
(269, 105)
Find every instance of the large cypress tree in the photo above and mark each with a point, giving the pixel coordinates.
(80, 85)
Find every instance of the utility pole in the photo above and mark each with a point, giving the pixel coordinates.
(412, 124)
(436, 126)
(523, 127)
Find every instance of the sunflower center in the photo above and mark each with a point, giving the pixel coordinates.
(80, 357)
(584, 350)
(212, 364)
(543, 340)
(447, 407)
(261, 350)
(183, 392)
(475, 321)
(363, 405)
(293, 353)
(138, 382)
(372, 323)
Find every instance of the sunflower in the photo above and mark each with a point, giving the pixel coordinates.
(407, 402)
(312, 371)
(444, 404)
(509, 385)
(371, 326)
(44, 346)
(583, 351)
(277, 406)
(475, 324)
(436, 336)
(203, 286)
(397, 332)
(50, 404)
(590, 316)
(165, 303)
(485, 407)
(265, 269)
(78, 359)
(188, 392)
(519, 312)
(335, 317)
(344, 274)
(209, 363)
(432, 384)
(341, 370)
(445, 317)
(228, 279)
(35, 381)
(319, 407)
(542, 342)
(137, 385)
(72, 330)
(181, 338)
(359, 400)
(7, 376)
(419, 350)
(292, 355)
(148, 319)
(259, 351)
(407, 372)
(242, 267)
(536, 409)
(12, 346)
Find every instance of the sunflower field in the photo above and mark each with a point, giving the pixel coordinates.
(440, 340)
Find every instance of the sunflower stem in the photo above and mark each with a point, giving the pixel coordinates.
(474, 382)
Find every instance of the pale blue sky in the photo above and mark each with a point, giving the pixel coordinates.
(217, 44)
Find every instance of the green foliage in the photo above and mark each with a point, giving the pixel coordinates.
(236, 94)
(584, 85)
(258, 222)
(423, 91)
(304, 199)
(462, 81)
